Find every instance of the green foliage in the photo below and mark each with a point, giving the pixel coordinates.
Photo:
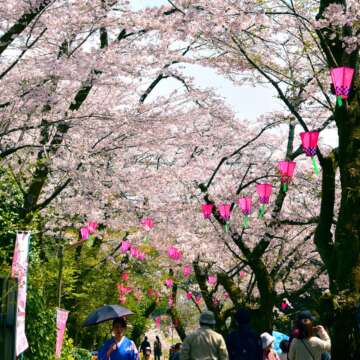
(40, 326)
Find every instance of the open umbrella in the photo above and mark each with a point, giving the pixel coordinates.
(105, 313)
(278, 338)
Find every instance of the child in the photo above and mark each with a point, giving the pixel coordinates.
(268, 353)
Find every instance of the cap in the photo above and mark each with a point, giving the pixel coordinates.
(207, 318)
(306, 314)
(242, 316)
(266, 339)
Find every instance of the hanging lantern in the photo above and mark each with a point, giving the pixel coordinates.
(245, 206)
(342, 78)
(207, 210)
(224, 211)
(189, 295)
(286, 171)
(264, 192)
(186, 270)
(309, 142)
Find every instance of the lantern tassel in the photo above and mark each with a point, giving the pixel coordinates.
(340, 101)
(315, 165)
(246, 222)
(226, 227)
(262, 211)
(284, 187)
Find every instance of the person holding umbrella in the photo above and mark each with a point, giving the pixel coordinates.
(119, 347)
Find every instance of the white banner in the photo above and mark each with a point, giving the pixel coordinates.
(19, 270)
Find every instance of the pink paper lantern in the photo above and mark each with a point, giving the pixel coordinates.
(169, 283)
(187, 270)
(125, 276)
(286, 169)
(197, 299)
(264, 192)
(85, 233)
(147, 223)
(224, 211)
(141, 256)
(309, 142)
(212, 279)
(134, 252)
(342, 78)
(242, 274)
(245, 206)
(158, 322)
(207, 210)
(174, 253)
(189, 295)
(125, 246)
(284, 305)
(92, 226)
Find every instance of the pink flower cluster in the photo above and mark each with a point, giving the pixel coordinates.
(87, 230)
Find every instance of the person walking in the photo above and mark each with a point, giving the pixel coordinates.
(145, 344)
(307, 346)
(204, 343)
(244, 343)
(157, 348)
(267, 341)
(119, 347)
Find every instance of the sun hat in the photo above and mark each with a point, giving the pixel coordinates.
(266, 339)
(207, 318)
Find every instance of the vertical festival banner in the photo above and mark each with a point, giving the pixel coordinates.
(19, 270)
(61, 319)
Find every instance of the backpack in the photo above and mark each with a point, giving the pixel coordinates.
(244, 346)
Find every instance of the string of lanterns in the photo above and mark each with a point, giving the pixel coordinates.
(342, 78)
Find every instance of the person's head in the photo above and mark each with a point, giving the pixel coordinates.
(305, 314)
(177, 347)
(284, 346)
(305, 327)
(145, 338)
(242, 317)
(157, 338)
(207, 318)
(119, 327)
(266, 341)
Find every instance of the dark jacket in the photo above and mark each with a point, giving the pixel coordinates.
(244, 343)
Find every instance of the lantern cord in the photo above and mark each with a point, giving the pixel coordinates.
(315, 165)
(246, 222)
(226, 227)
(285, 187)
(261, 211)
(339, 101)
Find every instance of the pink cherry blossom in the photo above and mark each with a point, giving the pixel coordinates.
(189, 295)
(169, 283)
(125, 276)
(134, 252)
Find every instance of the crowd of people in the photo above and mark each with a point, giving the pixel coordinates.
(306, 342)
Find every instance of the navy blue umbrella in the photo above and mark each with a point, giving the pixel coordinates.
(105, 313)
